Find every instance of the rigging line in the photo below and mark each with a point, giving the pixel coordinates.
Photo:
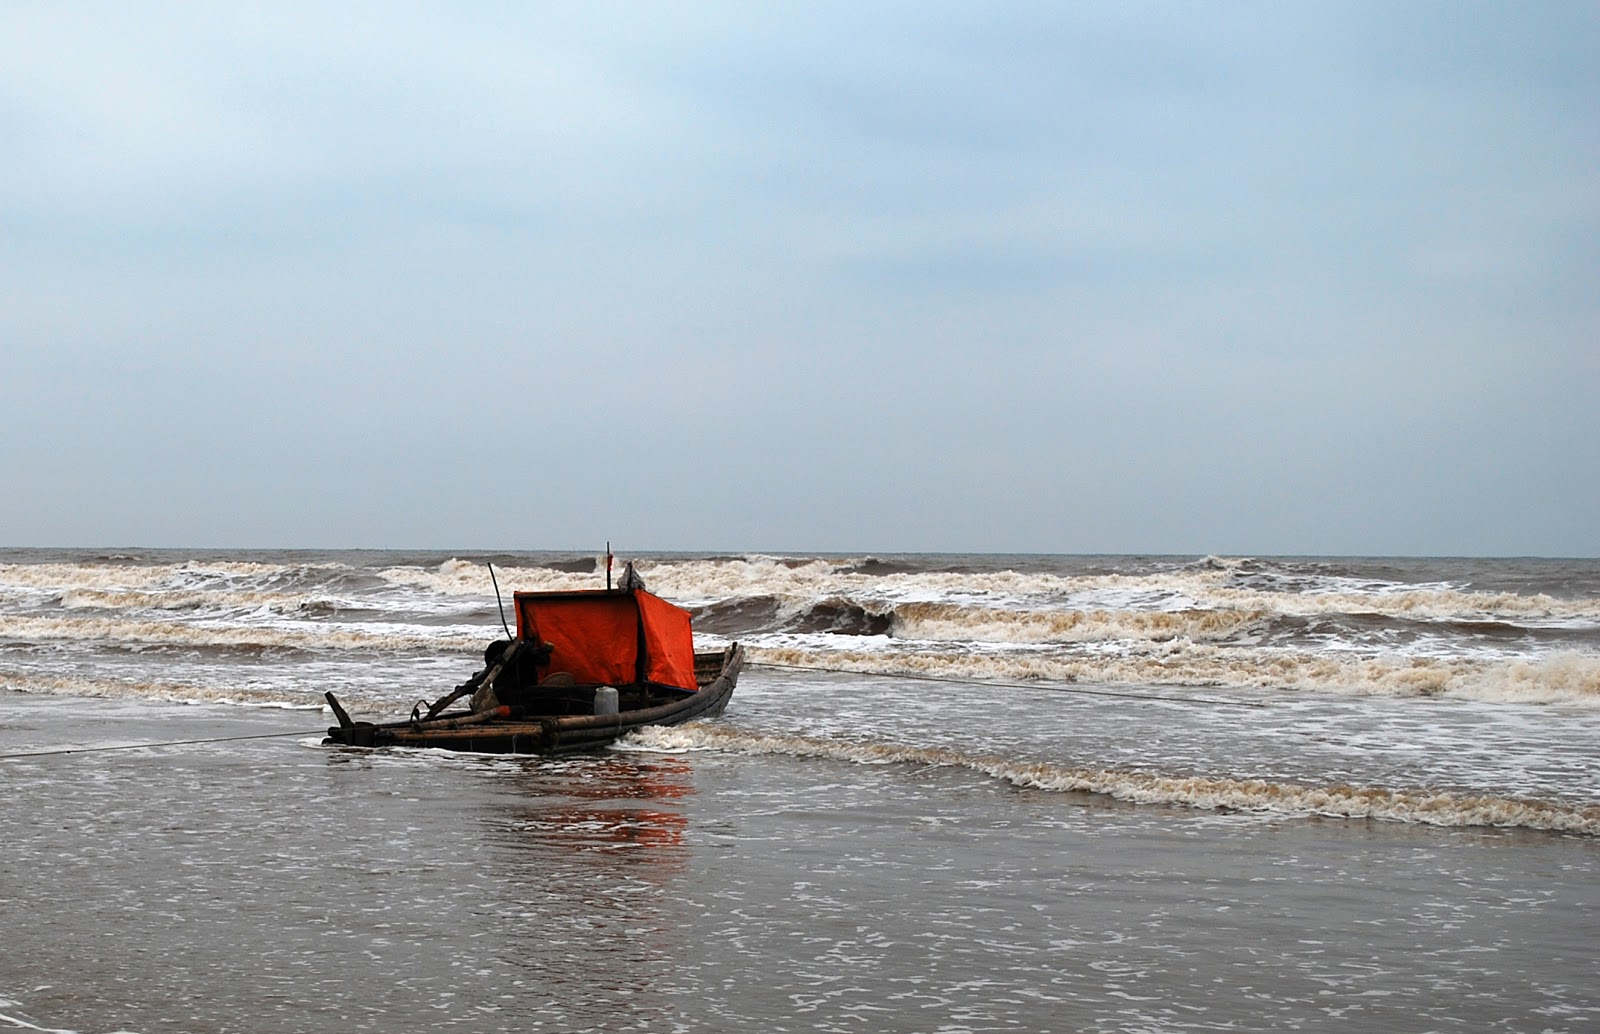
(501, 603)
(168, 743)
(1017, 685)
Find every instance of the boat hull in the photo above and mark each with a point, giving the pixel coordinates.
(514, 730)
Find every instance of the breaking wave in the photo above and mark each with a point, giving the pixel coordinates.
(955, 622)
(470, 578)
(1203, 586)
(245, 637)
(1566, 677)
(1507, 630)
(1252, 795)
(736, 617)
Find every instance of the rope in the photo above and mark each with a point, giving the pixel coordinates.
(1195, 702)
(143, 746)
(1202, 702)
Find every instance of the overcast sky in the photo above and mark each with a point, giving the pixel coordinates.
(1026, 277)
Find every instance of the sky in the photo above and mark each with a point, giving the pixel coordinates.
(1233, 278)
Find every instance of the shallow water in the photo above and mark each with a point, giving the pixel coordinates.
(277, 885)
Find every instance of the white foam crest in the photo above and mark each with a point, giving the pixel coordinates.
(471, 578)
(199, 599)
(956, 623)
(190, 586)
(319, 636)
(1430, 604)
(707, 581)
(1214, 793)
(715, 580)
(56, 577)
(1190, 588)
(134, 576)
(1566, 677)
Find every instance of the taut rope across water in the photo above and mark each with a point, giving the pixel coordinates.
(1056, 688)
(167, 743)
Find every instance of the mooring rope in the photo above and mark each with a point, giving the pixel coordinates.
(1056, 688)
(167, 743)
(1040, 687)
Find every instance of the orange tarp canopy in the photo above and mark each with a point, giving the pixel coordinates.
(611, 638)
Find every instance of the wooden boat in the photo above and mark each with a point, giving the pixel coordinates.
(585, 667)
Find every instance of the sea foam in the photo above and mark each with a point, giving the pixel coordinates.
(1217, 793)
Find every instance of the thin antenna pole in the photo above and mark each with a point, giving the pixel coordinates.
(502, 604)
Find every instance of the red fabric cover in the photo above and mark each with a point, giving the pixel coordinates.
(596, 636)
(669, 642)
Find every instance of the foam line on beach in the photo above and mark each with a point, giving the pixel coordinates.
(25, 1025)
(1213, 793)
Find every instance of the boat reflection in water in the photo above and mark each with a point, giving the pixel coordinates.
(588, 854)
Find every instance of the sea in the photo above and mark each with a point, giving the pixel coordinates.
(1129, 794)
